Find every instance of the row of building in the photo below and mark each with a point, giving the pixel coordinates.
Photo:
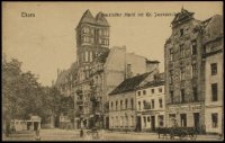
(127, 91)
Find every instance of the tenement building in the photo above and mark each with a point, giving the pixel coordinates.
(122, 100)
(213, 60)
(188, 86)
(150, 105)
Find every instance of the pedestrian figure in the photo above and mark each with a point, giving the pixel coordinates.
(81, 133)
(37, 137)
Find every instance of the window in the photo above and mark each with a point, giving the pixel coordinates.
(182, 74)
(144, 104)
(171, 54)
(214, 68)
(139, 93)
(132, 103)
(182, 96)
(139, 105)
(126, 102)
(85, 30)
(181, 32)
(214, 120)
(182, 51)
(160, 117)
(194, 70)
(160, 89)
(116, 104)
(144, 92)
(194, 47)
(144, 121)
(153, 104)
(111, 105)
(160, 103)
(121, 104)
(195, 93)
(149, 119)
(214, 92)
(153, 91)
(183, 120)
(171, 97)
(170, 77)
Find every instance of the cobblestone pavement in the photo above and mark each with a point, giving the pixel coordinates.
(74, 135)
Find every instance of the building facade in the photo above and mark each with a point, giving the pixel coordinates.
(185, 72)
(150, 105)
(122, 100)
(213, 59)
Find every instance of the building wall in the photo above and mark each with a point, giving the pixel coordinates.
(148, 96)
(183, 62)
(213, 107)
(122, 118)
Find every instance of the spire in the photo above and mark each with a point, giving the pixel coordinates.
(184, 14)
(101, 20)
(87, 18)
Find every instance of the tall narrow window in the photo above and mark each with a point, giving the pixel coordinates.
(194, 47)
(126, 103)
(183, 120)
(182, 51)
(171, 54)
(214, 92)
(139, 93)
(214, 68)
(214, 120)
(195, 93)
(171, 97)
(153, 103)
(139, 105)
(182, 96)
(181, 32)
(116, 104)
(86, 56)
(121, 104)
(144, 118)
(144, 104)
(160, 103)
(160, 117)
(182, 75)
(132, 103)
(194, 70)
(111, 105)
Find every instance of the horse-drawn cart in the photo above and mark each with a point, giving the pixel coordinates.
(181, 132)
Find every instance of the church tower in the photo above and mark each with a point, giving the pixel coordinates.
(92, 37)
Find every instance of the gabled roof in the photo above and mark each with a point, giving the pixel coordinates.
(153, 83)
(182, 15)
(130, 84)
(87, 18)
(101, 20)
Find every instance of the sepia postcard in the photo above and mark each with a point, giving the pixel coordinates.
(112, 71)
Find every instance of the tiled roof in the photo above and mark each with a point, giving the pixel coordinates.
(101, 20)
(130, 84)
(153, 83)
(87, 18)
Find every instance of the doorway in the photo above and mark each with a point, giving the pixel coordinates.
(107, 122)
(153, 123)
(138, 125)
(35, 126)
(196, 121)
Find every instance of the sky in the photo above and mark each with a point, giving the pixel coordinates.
(47, 42)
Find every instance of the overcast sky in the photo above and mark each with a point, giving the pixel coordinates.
(47, 41)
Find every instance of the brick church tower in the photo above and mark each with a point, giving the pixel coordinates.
(92, 35)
